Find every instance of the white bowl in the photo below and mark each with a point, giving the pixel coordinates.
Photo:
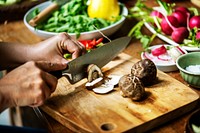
(84, 35)
(163, 65)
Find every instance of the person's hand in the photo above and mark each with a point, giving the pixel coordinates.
(54, 48)
(29, 84)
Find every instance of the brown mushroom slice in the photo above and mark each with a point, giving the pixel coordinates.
(94, 72)
(131, 87)
(103, 89)
(145, 70)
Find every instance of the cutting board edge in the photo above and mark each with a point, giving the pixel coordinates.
(148, 125)
(71, 125)
(153, 123)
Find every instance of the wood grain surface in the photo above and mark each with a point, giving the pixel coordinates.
(16, 31)
(82, 110)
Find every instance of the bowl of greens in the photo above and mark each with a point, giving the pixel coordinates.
(74, 20)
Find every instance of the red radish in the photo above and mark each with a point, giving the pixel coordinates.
(181, 17)
(164, 58)
(166, 28)
(194, 22)
(178, 34)
(182, 9)
(147, 56)
(157, 14)
(158, 51)
(198, 36)
(179, 49)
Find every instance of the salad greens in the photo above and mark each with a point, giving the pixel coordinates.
(72, 17)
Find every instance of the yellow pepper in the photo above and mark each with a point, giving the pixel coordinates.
(106, 9)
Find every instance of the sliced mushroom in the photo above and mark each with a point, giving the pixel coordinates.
(145, 70)
(113, 79)
(131, 87)
(95, 83)
(94, 72)
(103, 89)
(108, 85)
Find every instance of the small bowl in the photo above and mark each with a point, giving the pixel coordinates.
(84, 35)
(193, 120)
(163, 65)
(192, 78)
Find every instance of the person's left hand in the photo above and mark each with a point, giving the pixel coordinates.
(47, 50)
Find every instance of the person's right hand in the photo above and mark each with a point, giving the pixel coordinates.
(29, 84)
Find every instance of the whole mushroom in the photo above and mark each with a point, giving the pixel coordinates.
(131, 87)
(145, 70)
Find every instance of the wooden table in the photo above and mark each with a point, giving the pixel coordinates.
(17, 32)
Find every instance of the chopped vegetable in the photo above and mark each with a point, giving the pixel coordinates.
(158, 51)
(91, 44)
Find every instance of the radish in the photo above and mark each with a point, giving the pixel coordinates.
(182, 9)
(157, 14)
(178, 34)
(194, 22)
(166, 28)
(198, 36)
(181, 17)
(158, 51)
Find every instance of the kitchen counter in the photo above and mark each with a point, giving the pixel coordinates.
(17, 32)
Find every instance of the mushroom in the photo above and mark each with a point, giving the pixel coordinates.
(131, 87)
(98, 83)
(95, 76)
(145, 70)
(94, 72)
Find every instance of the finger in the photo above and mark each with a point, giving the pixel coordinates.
(47, 87)
(72, 46)
(78, 52)
(50, 66)
(50, 81)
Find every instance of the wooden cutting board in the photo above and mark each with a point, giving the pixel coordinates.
(82, 110)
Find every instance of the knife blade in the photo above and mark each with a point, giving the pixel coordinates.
(47, 11)
(76, 69)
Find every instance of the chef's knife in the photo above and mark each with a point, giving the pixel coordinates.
(47, 11)
(76, 69)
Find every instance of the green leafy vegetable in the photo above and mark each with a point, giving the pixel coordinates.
(140, 9)
(167, 7)
(73, 18)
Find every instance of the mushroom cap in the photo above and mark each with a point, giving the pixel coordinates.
(145, 70)
(132, 87)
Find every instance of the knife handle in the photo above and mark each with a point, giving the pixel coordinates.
(57, 74)
(43, 14)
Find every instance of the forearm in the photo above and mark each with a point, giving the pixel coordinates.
(13, 55)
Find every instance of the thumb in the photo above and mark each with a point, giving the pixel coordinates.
(50, 66)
